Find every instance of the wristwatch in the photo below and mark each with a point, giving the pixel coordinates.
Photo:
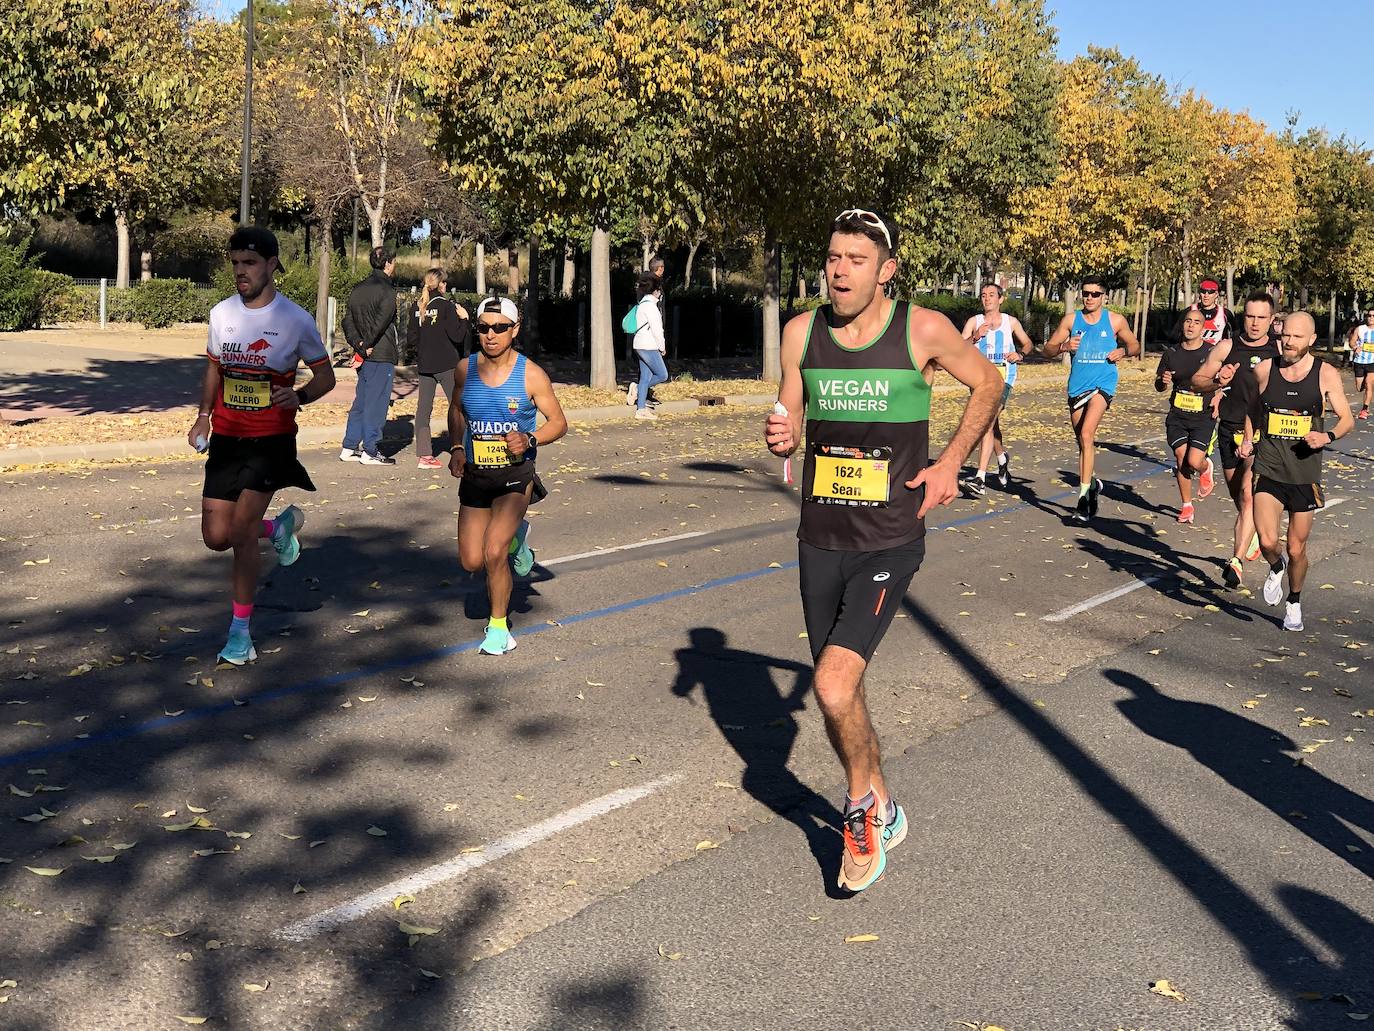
(531, 441)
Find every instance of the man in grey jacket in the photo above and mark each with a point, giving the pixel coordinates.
(369, 326)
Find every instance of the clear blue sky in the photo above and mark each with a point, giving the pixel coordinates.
(1238, 53)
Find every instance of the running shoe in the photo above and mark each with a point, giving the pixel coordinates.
(1364, 414)
(864, 858)
(524, 554)
(238, 649)
(1232, 574)
(645, 414)
(376, 458)
(1093, 493)
(497, 641)
(1253, 552)
(1273, 583)
(1206, 481)
(429, 462)
(351, 455)
(1185, 514)
(284, 537)
(1292, 616)
(1004, 470)
(1083, 512)
(972, 487)
(632, 393)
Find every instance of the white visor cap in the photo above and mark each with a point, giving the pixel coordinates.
(504, 305)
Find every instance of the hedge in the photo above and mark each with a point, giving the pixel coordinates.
(21, 292)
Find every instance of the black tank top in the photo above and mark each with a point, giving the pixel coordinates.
(1288, 412)
(867, 433)
(1184, 400)
(1242, 394)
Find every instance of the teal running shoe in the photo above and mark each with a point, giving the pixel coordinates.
(284, 539)
(497, 641)
(524, 554)
(238, 649)
(894, 833)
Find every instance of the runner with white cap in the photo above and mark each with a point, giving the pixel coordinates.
(492, 416)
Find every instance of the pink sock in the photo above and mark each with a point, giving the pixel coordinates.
(243, 611)
(269, 527)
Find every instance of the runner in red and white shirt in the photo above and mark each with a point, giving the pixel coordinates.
(247, 421)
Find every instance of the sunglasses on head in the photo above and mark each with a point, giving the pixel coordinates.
(495, 327)
(1094, 293)
(869, 218)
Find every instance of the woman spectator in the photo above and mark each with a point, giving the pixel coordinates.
(650, 345)
(439, 334)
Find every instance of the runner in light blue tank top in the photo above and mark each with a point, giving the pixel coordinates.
(1096, 339)
(1003, 346)
(499, 395)
(1362, 362)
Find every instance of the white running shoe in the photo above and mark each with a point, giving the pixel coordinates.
(646, 414)
(350, 455)
(632, 393)
(1273, 583)
(1292, 616)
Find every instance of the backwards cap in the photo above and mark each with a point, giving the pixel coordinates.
(504, 305)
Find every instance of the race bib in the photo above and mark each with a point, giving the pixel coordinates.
(1002, 368)
(246, 391)
(491, 453)
(1367, 347)
(851, 476)
(1187, 401)
(1288, 425)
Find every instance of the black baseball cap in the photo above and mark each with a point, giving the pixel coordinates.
(256, 238)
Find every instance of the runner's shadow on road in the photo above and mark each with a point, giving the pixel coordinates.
(1256, 761)
(760, 724)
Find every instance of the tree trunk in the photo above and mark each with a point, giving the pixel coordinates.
(374, 217)
(691, 260)
(569, 268)
(1331, 322)
(1231, 286)
(715, 271)
(647, 253)
(977, 277)
(1070, 295)
(529, 332)
(513, 269)
(322, 296)
(772, 326)
(479, 261)
(305, 229)
(122, 254)
(801, 288)
(436, 246)
(1187, 270)
(145, 263)
(553, 276)
(822, 287)
(1303, 297)
(603, 343)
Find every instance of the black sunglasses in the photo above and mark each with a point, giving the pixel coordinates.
(1094, 293)
(495, 327)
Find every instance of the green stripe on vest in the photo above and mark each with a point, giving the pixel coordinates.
(866, 395)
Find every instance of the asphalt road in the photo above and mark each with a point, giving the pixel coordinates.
(630, 821)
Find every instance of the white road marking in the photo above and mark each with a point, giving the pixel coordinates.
(310, 927)
(624, 547)
(1098, 599)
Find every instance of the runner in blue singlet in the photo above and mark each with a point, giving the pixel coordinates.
(491, 421)
(1003, 342)
(1097, 339)
(1361, 341)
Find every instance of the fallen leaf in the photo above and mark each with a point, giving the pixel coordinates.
(406, 928)
(662, 951)
(402, 900)
(195, 808)
(45, 871)
(1164, 988)
(702, 846)
(193, 1020)
(238, 834)
(296, 889)
(855, 939)
(213, 943)
(376, 831)
(430, 974)
(101, 859)
(248, 986)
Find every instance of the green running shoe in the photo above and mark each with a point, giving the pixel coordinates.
(524, 554)
(238, 650)
(497, 641)
(284, 539)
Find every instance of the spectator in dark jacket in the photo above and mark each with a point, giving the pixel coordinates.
(438, 333)
(369, 326)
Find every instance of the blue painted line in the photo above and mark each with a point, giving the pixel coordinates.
(404, 662)
(337, 679)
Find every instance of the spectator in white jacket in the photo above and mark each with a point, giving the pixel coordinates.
(650, 345)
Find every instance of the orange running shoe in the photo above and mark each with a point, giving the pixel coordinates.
(1206, 480)
(1185, 514)
(1253, 552)
(865, 857)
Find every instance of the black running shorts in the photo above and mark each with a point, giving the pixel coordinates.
(1361, 370)
(1189, 429)
(849, 598)
(478, 488)
(1228, 445)
(1295, 497)
(1077, 401)
(265, 464)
